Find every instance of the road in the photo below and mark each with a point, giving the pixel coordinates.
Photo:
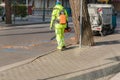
(100, 62)
(22, 42)
(18, 43)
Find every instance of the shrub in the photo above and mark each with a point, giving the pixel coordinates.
(20, 10)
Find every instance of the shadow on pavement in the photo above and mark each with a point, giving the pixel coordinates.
(101, 73)
(71, 47)
(117, 58)
(107, 42)
(93, 75)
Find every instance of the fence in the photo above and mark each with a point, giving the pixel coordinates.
(21, 13)
(35, 15)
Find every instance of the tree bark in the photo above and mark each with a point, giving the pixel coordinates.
(8, 11)
(75, 16)
(87, 37)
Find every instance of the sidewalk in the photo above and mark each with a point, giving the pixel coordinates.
(100, 62)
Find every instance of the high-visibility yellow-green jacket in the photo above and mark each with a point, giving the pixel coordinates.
(55, 15)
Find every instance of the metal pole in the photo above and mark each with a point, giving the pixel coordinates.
(14, 12)
(80, 40)
(27, 5)
(44, 10)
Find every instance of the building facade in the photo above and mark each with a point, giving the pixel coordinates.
(36, 6)
(48, 3)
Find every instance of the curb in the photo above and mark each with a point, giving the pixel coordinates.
(9, 66)
(20, 63)
(10, 25)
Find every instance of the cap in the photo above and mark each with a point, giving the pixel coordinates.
(58, 2)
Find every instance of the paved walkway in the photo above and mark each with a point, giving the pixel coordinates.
(100, 62)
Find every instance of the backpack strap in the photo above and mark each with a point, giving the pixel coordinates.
(59, 9)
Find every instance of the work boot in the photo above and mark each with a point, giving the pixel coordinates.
(61, 49)
(64, 47)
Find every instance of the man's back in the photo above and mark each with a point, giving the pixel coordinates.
(57, 9)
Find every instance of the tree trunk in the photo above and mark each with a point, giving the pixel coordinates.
(75, 16)
(8, 11)
(87, 37)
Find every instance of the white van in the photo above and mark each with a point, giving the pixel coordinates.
(101, 18)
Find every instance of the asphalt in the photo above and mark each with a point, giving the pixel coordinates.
(18, 43)
(99, 62)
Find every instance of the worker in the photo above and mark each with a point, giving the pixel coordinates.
(3, 10)
(58, 22)
(3, 14)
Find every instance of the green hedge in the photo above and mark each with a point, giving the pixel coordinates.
(20, 10)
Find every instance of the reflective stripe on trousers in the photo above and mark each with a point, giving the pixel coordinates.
(60, 37)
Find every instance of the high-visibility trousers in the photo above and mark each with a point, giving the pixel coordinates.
(59, 31)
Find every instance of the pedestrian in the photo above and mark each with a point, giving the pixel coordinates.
(58, 22)
(3, 14)
(3, 11)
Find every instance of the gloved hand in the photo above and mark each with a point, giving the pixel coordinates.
(51, 28)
